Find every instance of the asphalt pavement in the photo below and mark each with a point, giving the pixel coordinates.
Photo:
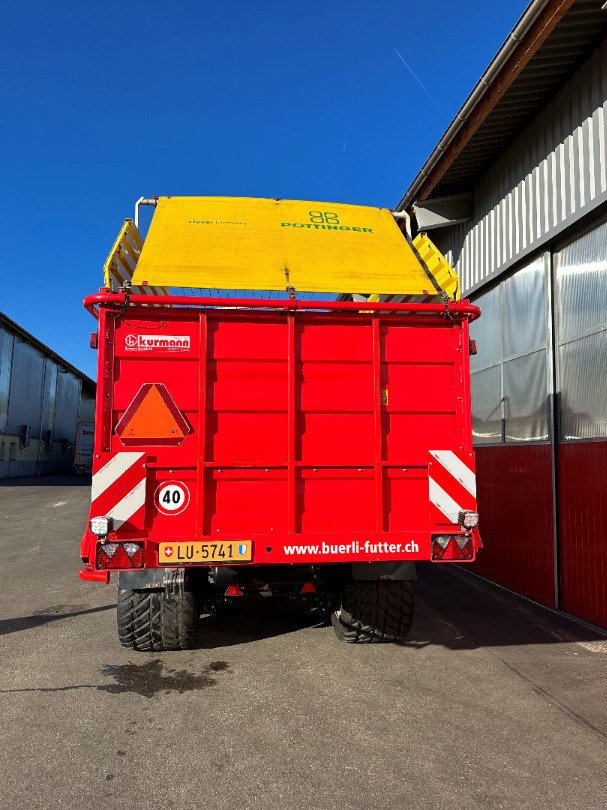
(494, 703)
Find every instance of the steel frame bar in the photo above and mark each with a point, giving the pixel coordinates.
(453, 309)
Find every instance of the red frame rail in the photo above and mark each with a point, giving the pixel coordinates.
(452, 309)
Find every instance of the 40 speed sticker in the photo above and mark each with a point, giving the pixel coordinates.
(172, 497)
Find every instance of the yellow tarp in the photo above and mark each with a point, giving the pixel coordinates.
(256, 244)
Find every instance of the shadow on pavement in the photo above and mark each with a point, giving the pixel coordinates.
(239, 625)
(461, 611)
(232, 626)
(454, 609)
(51, 614)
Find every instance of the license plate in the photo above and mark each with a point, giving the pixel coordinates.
(223, 551)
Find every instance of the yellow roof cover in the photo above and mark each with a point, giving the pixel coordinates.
(245, 243)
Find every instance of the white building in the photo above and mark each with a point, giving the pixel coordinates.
(515, 195)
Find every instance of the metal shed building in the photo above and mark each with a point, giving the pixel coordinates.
(42, 398)
(515, 195)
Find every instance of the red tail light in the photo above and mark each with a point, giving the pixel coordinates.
(307, 587)
(233, 590)
(120, 555)
(452, 547)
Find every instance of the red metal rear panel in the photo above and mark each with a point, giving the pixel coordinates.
(515, 504)
(583, 529)
(304, 426)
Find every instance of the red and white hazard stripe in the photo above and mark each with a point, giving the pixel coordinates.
(451, 484)
(118, 490)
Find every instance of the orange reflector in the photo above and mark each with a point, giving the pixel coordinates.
(152, 418)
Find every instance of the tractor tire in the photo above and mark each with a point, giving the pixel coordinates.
(375, 612)
(151, 621)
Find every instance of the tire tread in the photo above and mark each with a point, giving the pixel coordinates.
(149, 621)
(375, 612)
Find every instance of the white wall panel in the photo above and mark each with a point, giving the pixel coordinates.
(553, 174)
(581, 335)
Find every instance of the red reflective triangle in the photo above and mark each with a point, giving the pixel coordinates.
(152, 418)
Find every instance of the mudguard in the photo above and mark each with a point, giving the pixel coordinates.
(403, 570)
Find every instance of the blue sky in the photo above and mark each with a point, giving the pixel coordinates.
(103, 102)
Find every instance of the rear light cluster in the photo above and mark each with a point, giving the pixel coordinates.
(452, 547)
(120, 555)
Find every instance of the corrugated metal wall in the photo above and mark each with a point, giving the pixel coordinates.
(26, 389)
(582, 506)
(36, 392)
(511, 384)
(538, 381)
(540, 427)
(516, 508)
(68, 407)
(554, 173)
(580, 316)
(87, 408)
(6, 360)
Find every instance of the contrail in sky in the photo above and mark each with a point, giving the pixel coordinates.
(419, 81)
(346, 139)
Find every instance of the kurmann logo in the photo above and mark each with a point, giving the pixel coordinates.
(159, 343)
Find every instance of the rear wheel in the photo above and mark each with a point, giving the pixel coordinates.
(151, 621)
(372, 612)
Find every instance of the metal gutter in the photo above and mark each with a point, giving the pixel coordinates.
(537, 21)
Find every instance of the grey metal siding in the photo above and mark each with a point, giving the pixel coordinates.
(580, 277)
(67, 407)
(25, 401)
(551, 176)
(87, 408)
(36, 389)
(6, 360)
